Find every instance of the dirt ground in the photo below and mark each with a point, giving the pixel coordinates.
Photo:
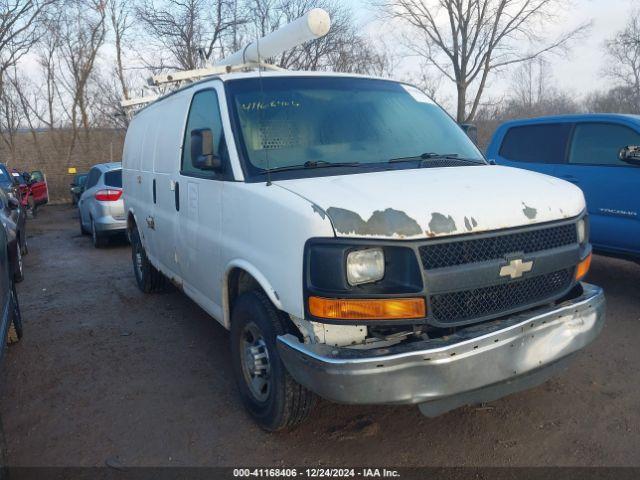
(108, 375)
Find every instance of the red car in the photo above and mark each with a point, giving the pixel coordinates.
(33, 189)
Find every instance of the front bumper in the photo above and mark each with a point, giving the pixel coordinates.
(477, 363)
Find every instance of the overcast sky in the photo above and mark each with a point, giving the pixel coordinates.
(582, 69)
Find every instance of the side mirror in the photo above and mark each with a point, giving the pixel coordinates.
(14, 203)
(202, 156)
(630, 154)
(471, 131)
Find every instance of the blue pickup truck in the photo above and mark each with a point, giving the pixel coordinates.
(595, 152)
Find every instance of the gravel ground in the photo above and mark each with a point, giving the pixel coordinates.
(107, 375)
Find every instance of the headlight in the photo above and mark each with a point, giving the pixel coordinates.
(365, 266)
(582, 231)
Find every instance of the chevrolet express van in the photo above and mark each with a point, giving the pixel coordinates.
(356, 243)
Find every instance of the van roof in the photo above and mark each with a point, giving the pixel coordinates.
(227, 77)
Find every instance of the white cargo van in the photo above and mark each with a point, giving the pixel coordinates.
(356, 243)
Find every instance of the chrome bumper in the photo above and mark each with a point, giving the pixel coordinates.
(478, 363)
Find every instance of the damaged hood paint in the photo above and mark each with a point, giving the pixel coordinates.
(435, 202)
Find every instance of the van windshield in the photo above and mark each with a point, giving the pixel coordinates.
(355, 122)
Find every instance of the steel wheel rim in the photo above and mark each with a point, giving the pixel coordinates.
(254, 358)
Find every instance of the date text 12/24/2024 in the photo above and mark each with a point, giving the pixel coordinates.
(315, 473)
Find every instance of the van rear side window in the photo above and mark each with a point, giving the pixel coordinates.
(113, 178)
(536, 143)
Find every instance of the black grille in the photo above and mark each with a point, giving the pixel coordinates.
(485, 302)
(449, 254)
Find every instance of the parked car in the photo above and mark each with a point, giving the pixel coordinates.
(587, 150)
(11, 219)
(33, 188)
(22, 183)
(9, 183)
(77, 186)
(10, 317)
(100, 206)
(356, 243)
(39, 188)
(18, 215)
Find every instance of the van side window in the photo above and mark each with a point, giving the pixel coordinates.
(204, 114)
(600, 144)
(536, 143)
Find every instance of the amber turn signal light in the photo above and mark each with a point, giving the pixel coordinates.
(583, 268)
(374, 309)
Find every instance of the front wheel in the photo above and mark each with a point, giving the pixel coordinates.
(272, 397)
(148, 278)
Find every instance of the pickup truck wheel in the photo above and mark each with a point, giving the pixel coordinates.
(272, 397)
(15, 329)
(148, 278)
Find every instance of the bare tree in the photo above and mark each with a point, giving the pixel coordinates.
(615, 100)
(342, 49)
(624, 50)
(10, 114)
(467, 40)
(80, 35)
(19, 22)
(530, 82)
(190, 30)
(121, 21)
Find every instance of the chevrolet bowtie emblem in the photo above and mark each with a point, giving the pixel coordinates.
(516, 268)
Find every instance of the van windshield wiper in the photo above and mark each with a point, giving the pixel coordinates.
(312, 164)
(423, 158)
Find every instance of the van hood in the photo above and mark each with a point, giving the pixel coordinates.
(436, 202)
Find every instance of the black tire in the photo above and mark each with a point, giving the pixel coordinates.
(18, 265)
(15, 329)
(24, 247)
(98, 240)
(149, 279)
(284, 403)
(83, 231)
